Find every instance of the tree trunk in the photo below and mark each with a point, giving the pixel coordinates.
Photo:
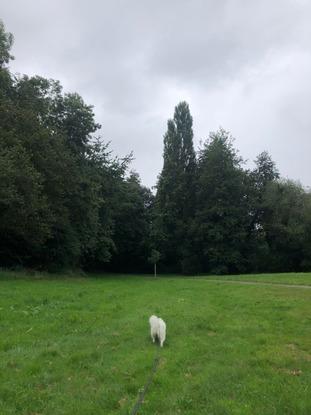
(155, 270)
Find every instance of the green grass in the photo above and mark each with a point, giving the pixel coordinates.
(289, 278)
(81, 346)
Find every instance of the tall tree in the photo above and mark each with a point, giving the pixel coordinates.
(222, 219)
(175, 199)
(264, 173)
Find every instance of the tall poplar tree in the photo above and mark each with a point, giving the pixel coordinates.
(175, 199)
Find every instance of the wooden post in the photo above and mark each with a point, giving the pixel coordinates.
(155, 269)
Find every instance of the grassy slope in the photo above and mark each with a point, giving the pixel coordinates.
(81, 346)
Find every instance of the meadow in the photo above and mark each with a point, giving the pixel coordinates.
(77, 345)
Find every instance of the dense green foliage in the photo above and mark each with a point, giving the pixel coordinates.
(222, 217)
(240, 220)
(82, 346)
(66, 202)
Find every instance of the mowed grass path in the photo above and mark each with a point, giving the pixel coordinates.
(289, 278)
(82, 346)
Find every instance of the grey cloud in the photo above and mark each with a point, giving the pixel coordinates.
(241, 64)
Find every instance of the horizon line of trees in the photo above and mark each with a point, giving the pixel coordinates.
(66, 202)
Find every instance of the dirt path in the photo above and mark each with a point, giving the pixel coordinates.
(274, 284)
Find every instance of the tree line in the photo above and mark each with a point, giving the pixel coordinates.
(67, 202)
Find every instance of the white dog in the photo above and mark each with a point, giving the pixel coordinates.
(157, 329)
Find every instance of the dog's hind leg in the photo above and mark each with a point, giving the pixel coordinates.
(162, 339)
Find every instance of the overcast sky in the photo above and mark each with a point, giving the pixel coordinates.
(244, 65)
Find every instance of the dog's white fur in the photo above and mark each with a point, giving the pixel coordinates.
(157, 329)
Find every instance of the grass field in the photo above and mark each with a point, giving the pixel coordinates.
(81, 346)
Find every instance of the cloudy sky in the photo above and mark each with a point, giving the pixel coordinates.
(244, 65)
